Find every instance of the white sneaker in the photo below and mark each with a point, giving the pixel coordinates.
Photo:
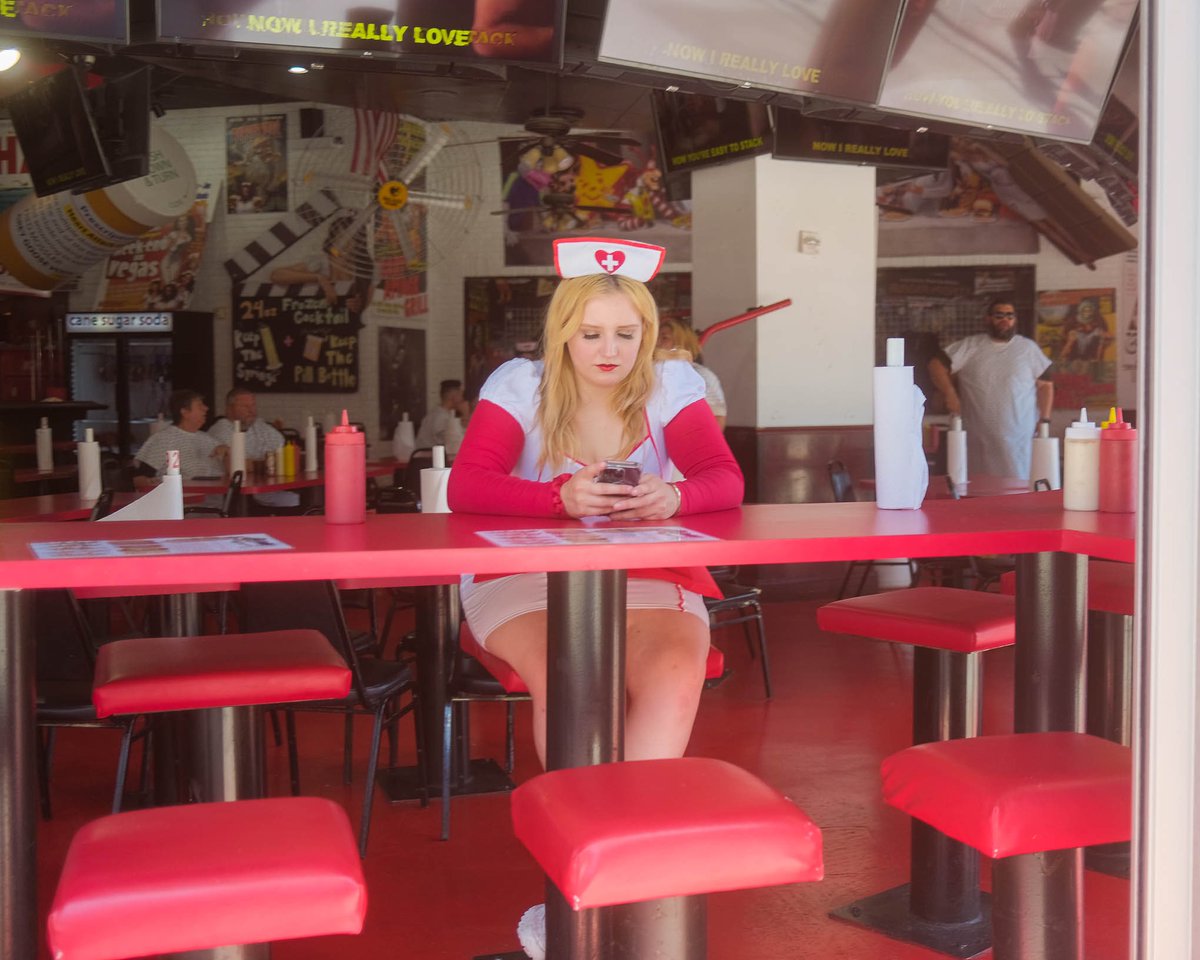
(531, 931)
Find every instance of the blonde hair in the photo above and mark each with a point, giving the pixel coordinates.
(559, 389)
(684, 337)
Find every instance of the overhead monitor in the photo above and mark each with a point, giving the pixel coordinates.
(696, 131)
(800, 137)
(827, 48)
(54, 125)
(1028, 66)
(99, 21)
(529, 31)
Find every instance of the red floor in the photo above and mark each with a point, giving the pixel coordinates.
(841, 704)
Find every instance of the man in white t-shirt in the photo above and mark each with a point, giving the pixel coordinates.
(453, 405)
(997, 381)
(241, 406)
(200, 454)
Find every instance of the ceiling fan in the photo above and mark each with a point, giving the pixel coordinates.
(549, 131)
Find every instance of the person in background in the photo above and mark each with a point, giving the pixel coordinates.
(536, 447)
(997, 381)
(678, 341)
(200, 453)
(453, 404)
(241, 407)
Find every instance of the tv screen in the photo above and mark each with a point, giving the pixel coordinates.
(121, 110)
(696, 131)
(828, 48)
(100, 21)
(528, 31)
(53, 122)
(799, 137)
(1029, 66)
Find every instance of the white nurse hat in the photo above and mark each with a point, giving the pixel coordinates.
(584, 256)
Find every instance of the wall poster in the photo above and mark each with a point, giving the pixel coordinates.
(256, 164)
(401, 378)
(504, 317)
(297, 339)
(1077, 329)
(589, 190)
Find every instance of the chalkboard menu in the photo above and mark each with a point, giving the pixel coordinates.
(294, 340)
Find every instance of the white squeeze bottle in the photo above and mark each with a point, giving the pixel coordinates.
(1081, 464)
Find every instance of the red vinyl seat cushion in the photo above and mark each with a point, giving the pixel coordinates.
(155, 674)
(199, 876)
(1017, 793)
(1109, 586)
(625, 832)
(944, 618)
(510, 680)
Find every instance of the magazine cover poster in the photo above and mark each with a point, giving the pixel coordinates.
(256, 164)
(1077, 329)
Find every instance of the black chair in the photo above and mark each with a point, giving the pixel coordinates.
(103, 505)
(229, 502)
(377, 685)
(843, 492)
(65, 666)
(470, 682)
(740, 603)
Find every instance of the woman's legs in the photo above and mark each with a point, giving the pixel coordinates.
(665, 654)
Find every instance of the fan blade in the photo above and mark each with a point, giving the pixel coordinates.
(500, 213)
(603, 209)
(607, 136)
(356, 226)
(434, 199)
(436, 137)
(399, 223)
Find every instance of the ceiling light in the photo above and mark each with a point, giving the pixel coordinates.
(297, 68)
(922, 129)
(9, 58)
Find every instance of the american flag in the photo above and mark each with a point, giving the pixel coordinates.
(374, 135)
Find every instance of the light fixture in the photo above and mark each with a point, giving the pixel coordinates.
(9, 57)
(297, 68)
(922, 129)
(672, 88)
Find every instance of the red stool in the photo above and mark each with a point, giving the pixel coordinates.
(1028, 800)
(941, 908)
(234, 670)
(621, 833)
(201, 876)
(497, 682)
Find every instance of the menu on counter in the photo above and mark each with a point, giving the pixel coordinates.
(154, 546)
(590, 536)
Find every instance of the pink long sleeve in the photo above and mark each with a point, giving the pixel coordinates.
(482, 481)
(696, 446)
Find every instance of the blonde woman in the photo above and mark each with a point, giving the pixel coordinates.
(537, 443)
(678, 341)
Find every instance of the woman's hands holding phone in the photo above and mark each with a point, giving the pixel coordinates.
(585, 495)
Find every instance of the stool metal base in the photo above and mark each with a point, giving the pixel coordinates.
(889, 913)
(1108, 858)
(484, 776)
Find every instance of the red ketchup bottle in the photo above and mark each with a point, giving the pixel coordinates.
(345, 474)
(1118, 467)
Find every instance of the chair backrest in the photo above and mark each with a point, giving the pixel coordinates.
(841, 482)
(418, 460)
(1041, 485)
(300, 606)
(115, 474)
(232, 492)
(103, 505)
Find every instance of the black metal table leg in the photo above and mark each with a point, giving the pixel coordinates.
(18, 781)
(1109, 709)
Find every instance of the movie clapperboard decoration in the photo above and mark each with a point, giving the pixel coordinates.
(290, 338)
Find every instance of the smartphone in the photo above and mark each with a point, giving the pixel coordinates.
(620, 471)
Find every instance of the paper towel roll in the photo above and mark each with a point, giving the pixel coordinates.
(435, 482)
(1045, 464)
(901, 471)
(956, 458)
(45, 447)
(310, 447)
(404, 441)
(90, 481)
(164, 502)
(237, 451)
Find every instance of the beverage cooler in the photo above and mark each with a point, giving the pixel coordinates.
(130, 363)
